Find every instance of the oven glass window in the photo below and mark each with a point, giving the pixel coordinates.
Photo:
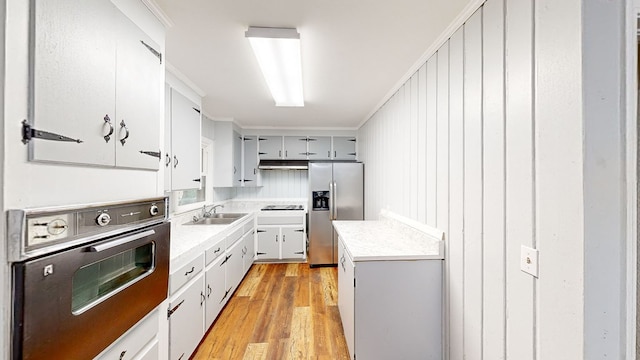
(96, 282)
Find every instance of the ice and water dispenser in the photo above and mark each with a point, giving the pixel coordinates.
(320, 201)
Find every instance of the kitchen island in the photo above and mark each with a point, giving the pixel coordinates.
(390, 288)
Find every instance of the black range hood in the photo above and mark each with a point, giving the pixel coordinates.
(283, 165)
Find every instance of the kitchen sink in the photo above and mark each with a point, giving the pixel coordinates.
(218, 219)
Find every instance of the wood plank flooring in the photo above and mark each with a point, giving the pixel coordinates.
(280, 311)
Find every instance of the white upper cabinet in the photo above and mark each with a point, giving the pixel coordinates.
(270, 147)
(237, 159)
(74, 72)
(344, 148)
(88, 76)
(138, 97)
(250, 158)
(295, 147)
(185, 143)
(319, 147)
(227, 168)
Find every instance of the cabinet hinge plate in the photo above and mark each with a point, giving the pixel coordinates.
(152, 153)
(29, 133)
(153, 51)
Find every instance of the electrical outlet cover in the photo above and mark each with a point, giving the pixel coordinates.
(529, 260)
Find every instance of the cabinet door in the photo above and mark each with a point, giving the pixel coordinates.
(235, 271)
(74, 72)
(346, 297)
(167, 156)
(293, 243)
(344, 148)
(250, 161)
(186, 322)
(214, 290)
(268, 243)
(270, 147)
(295, 147)
(237, 159)
(138, 98)
(185, 142)
(320, 148)
(249, 251)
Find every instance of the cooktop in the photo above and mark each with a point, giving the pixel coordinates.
(282, 207)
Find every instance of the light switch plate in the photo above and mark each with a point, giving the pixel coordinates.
(529, 260)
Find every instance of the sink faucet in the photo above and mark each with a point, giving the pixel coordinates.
(211, 211)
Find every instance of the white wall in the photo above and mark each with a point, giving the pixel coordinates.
(277, 184)
(511, 134)
(28, 184)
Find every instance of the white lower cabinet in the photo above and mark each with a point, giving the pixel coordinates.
(281, 237)
(249, 251)
(140, 342)
(390, 309)
(200, 289)
(186, 319)
(215, 290)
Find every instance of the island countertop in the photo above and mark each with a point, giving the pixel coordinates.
(388, 239)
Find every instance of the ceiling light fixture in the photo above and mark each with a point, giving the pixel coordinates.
(278, 54)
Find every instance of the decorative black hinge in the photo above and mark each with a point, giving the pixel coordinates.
(197, 180)
(262, 153)
(299, 230)
(354, 154)
(175, 308)
(354, 140)
(153, 51)
(259, 231)
(261, 253)
(29, 133)
(197, 110)
(152, 153)
(298, 253)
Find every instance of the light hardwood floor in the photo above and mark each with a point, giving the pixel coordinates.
(280, 311)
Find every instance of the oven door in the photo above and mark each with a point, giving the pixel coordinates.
(73, 304)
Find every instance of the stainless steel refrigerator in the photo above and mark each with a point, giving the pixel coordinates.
(336, 192)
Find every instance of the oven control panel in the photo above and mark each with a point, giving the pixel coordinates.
(49, 228)
(35, 232)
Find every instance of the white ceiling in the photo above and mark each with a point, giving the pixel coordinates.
(353, 53)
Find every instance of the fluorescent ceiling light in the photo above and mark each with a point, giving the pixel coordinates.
(278, 54)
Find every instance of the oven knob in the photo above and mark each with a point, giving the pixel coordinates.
(57, 227)
(154, 210)
(103, 219)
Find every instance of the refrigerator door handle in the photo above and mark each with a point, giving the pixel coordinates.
(331, 200)
(335, 205)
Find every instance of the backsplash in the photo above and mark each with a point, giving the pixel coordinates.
(275, 184)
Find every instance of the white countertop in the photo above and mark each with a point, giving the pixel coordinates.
(388, 239)
(188, 241)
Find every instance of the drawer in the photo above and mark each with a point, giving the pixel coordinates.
(134, 340)
(234, 236)
(151, 353)
(281, 220)
(213, 252)
(185, 273)
(247, 227)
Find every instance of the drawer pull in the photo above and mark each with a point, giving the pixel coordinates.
(190, 271)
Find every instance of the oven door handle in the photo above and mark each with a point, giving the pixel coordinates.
(124, 240)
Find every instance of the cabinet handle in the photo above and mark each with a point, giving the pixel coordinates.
(167, 160)
(234, 169)
(202, 298)
(254, 171)
(329, 153)
(225, 294)
(122, 354)
(181, 356)
(175, 161)
(216, 250)
(286, 153)
(107, 121)
(276, 238)
(190, 271)
(335, 154)
(209, 290)
(283, 238)
(279, 153)
(126, 135)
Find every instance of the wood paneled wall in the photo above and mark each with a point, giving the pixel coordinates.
(277, 184)
(485, 142)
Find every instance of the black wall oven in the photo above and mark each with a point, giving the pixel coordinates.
(82, 276)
